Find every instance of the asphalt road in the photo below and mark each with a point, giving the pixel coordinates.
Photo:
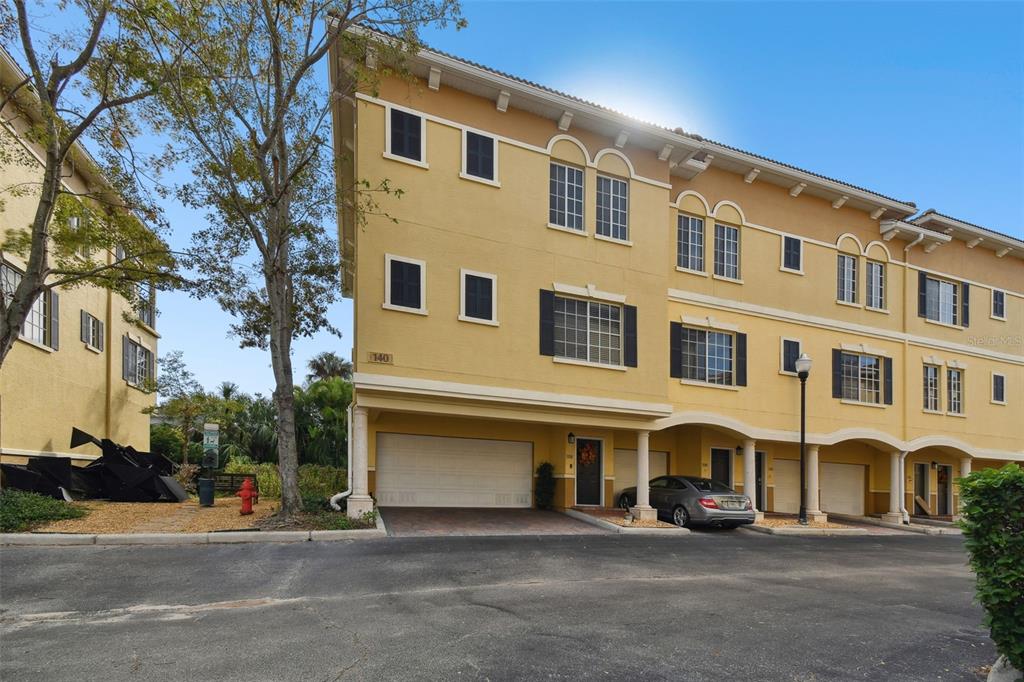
(729, 606)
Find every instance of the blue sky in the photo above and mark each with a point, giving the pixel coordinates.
(920, 101)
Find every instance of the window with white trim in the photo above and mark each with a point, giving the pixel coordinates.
(708, 356)
(998, 304)
(91, 331)
(565, 207)
(406, 135)
(690, 243)
(862, 378)
(588, 330)
(479, 297)
(846, 279)
(790, 353)
(727, 251)
(137, 363)
(147, 304)
(998, 388)
(480, 155)
(942, 301)
(931, 388)
(37, 327)
(875, 276)
(792, 254)
(954, 390)
(612, 207)
(405, 284)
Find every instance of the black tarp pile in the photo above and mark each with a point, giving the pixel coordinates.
(121, 474)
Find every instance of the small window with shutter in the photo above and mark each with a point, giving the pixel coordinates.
(480, 155)
(479, 297)
(405, 284)
(92, 331)
(790, 353)
(792, 254)
(406, 135)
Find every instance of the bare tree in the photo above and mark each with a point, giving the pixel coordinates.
(90, 82)
(256, 134)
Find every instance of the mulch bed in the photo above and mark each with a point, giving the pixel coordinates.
(618, 517)
(161, 517)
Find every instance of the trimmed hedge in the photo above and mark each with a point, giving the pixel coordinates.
(993, 525)
(21, 511)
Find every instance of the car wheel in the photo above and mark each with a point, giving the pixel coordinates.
(680, 516)
(624, 502)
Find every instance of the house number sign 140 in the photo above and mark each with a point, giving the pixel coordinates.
(381, 358)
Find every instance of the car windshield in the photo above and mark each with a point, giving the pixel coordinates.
(706, 485)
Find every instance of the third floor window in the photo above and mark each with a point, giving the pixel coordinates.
(612, 208)
(727, 251)
(846, 279)
(690, 243)
(566, 197)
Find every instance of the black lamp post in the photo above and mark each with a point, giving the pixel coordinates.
(803, 369)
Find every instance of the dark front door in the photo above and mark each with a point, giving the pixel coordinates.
(588, 471)
(921, 489)
(945, 473)
(721, 466)
(759, 479)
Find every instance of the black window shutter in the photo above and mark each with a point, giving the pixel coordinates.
(887, 362)
(965, 304)
(675, 350)
(922, 294)
(54, 320)
(126, 348)
(547, 322)
(103, 337)
(741, 359)
(837, 373)
(83, 321)
(629, 336)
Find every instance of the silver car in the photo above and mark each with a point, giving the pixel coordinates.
(690, 500)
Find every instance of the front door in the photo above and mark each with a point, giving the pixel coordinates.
(721, 466)
(942, 487)
(921, 490)
(589, 471)
(759, 479)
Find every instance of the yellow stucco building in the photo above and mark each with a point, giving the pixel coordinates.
(560, 283)
(79, 361)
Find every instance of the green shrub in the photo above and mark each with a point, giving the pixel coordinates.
(266, 475)
(993, 524)
(21, 511)
(544, 493)
(316, 481)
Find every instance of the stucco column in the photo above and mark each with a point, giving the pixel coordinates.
(894, 515)
(643, 509)
(750, 476)
(965, 470)
(814, 514)
(360, 501)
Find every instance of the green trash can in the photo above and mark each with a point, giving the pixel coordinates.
(205, 492)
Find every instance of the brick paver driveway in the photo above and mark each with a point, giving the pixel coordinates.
(412, 521)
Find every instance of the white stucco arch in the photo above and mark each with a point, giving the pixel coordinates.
(562, 136)
(850, 235)
(732, 204)
(691, 193)
(615, 152)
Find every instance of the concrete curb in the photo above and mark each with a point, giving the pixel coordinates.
(914, 528)
(609, 526)
(805, 532)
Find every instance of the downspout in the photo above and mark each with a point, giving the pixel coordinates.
(348, 464)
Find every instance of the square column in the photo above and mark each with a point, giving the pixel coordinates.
(643, 509)
(360, 501)
(965, 470)
(895, 515)
(814, 513)
(750, 477)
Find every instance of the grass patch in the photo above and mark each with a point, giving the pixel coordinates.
(21, 511)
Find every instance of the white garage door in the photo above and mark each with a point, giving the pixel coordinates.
(842, 488)
(430, 471)
(625, 468)
(787, 485)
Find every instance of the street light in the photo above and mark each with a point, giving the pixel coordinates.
(803, 369)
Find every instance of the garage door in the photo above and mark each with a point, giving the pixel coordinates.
(625, 468)
(842, 488)
(429, 471)
(787, 485)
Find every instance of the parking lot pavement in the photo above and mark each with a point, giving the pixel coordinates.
(736, 606)
(411, 521)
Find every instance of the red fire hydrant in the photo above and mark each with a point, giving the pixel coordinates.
(247, 494)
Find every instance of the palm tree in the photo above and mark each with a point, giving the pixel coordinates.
(328, 364)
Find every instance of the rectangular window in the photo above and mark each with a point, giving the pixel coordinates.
(37, 327)
(405, 284)
(998, 304)
(790, 353)
(478, 297)
(931, 388)
(147, 305)
(566, 198)
(999, 388)
(480, 155)
(862, 378)
(612, 208)
(792, 254)
(707, 356)
(588, 330)
(846, 277)
(876, 285)
(955, 391)
(138, 367)
(406, 135)
(690, 243)
(727, 251)
(92, 331)
(941, 301)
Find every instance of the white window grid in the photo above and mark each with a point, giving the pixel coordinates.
(612, 207)
(955, 390)
(566, 197)
(690, 243)
(727, 251)
(846, 290)
(588, 330)
(140, 360)
(876, 285)
(93, 331)
(941, 301)
(707, 356)
(862, 378)
(931, 388)
(37, 320)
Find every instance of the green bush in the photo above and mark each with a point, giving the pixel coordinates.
(544, 493)
(266, 475)
(20, 511)
(316, 481)
(993, 524)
